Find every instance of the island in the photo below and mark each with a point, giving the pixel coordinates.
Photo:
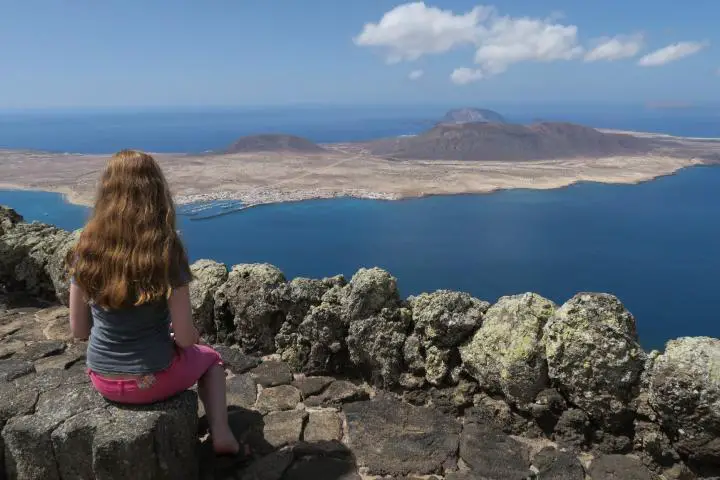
(475, 153)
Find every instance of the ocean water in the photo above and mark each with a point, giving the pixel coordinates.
(654, 245)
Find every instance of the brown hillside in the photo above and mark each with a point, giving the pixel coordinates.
(509, 142)
(274, 143)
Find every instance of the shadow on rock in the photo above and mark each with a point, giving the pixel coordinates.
(18, 300)
(323, 460)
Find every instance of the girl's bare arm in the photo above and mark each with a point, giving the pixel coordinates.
(79, 313)
(181, 316)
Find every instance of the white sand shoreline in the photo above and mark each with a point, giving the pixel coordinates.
(254, 199)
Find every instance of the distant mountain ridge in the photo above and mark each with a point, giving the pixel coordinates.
(472, 115)
(272, 142)
(475, 134)
(509, 142)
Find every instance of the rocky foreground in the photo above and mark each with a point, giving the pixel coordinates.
(329, 379)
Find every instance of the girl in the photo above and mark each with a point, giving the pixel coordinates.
(130, 266)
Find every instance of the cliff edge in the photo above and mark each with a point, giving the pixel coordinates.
(328, 378)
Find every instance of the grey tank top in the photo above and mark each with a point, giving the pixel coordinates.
(134, 340)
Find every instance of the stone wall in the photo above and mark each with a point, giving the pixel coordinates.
(573, 375)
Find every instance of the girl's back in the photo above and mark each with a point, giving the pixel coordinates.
(130, 278)
(128, 261)
(132, 340)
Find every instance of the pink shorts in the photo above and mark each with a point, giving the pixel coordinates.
(185, 370)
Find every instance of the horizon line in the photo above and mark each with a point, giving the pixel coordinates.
(654, 105)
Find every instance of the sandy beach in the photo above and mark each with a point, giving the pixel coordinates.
(345, 171)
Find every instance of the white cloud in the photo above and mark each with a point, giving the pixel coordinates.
(464, 75)
(507, 40)
(416, 74)
(412, 30)
(615, 48)
(671, 53)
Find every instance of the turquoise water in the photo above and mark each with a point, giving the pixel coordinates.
(655, 245)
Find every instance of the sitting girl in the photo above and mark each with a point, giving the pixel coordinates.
(129, 288)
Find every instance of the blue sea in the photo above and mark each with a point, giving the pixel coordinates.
(654, 245)
(199, 130)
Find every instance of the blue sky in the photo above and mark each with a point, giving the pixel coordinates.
(81, 53)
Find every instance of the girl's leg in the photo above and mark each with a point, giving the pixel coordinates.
(211, 388)
(198, 363)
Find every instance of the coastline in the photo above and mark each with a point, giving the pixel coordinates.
(637, 133)
(252, 199)
(237, 181)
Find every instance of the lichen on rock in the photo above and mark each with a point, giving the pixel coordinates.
(414, 355)
(246, 308)
(300, 294)
(369, 291)
(307, 309)
(317, 344)
(443, 321)
(594, 358)
(376, 345)
(57, 270)
(684, 390)
(445, 318)
(208, 276)
(506, 355)
(8, 219)
(32, 257)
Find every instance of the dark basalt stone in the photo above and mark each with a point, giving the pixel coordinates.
(323, 426)
(272, 374)
(73, 433)
(312, 385)
(553, 464)
(282, 397)
(241, 391)
(394, 438)
(573, 429)
(619, 467)
(235, 360)
(337, 393)
(490, 453)
(12, 369)
(38, 350)
(269, 467)
(322, 468)
(283, 428)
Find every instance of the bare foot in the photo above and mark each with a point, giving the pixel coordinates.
(224, 443)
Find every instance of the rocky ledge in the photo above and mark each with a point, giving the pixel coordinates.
(335, 379)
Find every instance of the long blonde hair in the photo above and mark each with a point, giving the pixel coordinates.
(129, 252)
